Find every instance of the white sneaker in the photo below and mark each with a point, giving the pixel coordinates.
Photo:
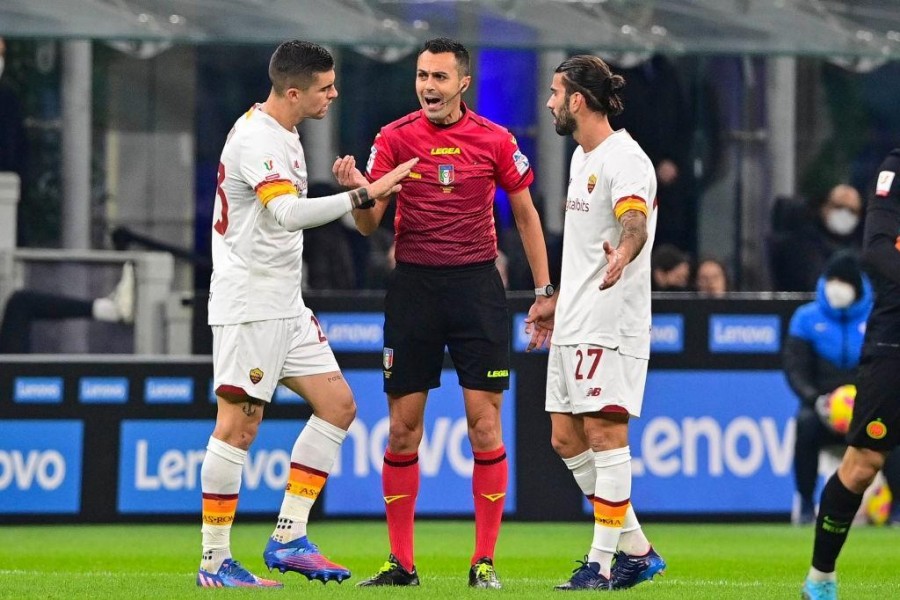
(123, 295)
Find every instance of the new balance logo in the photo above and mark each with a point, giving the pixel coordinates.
(493, 497)
(389, 499)
(593, 392)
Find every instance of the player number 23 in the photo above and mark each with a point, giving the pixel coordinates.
(222, 224)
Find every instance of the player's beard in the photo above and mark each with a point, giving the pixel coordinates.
(563, 120)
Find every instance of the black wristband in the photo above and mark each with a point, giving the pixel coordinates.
(359, 198)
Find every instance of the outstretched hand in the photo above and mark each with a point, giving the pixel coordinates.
(345, 172)
(615, 264)
(539, 323)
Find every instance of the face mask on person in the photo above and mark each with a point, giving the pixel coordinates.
(841, 221)
(839, 294)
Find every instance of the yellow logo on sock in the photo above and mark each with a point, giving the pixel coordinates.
(493, 497)
(389, 499)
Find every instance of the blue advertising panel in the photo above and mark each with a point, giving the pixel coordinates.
(40, 466)
(44, 390)
(169, 390)
(160, 460)
(714, 441)
(760, 334)
(103, 390)
(667, 333)
(445, 456)
(353, 332)
(159, 470)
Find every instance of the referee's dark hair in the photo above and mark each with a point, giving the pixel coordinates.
(441, 45)
(294, 64)
(592, 78)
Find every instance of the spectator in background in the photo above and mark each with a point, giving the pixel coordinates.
(658, 117)
(712, 278)
(671, 269)
(24, 307)
(13, 142)
(12, 127)
(800, 253)
(822, 353)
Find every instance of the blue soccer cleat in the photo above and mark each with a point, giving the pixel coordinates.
(231, 575)
(585, 577)
(302, 556)
(819, 590)
(628, 571)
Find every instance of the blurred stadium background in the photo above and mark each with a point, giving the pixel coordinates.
(125, 105)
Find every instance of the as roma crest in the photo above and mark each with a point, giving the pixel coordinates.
(256, 376)
(387, 358)
(592, 183)
(445, 174)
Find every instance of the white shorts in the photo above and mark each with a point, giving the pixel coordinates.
(253, 357)
(588, 378)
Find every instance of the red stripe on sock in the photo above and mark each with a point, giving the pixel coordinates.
(400, 485)
(490, 478)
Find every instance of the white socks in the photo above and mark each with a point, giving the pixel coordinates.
(312, 458)
(220, 480)
(611, 499)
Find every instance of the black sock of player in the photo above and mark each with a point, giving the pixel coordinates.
(836, 512)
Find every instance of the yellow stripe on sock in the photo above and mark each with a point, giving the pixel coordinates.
(610, 514)
(306, 483)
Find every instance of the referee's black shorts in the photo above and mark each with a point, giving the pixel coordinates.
(876, 410)
(462, 308)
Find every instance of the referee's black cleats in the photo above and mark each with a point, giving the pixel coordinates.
(482, 575)
(392, 573)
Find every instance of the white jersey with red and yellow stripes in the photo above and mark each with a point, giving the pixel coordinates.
(257, 264)
(615, 177)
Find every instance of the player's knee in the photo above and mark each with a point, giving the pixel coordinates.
(859, 468)
(237, 435)
(485, 434)
(564, 445)
(404, 436)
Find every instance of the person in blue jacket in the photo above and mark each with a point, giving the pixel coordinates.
(822, 353)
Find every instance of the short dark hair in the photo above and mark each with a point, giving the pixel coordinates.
(666, 257)
(592, 77)
(441, 45)
(296, 63)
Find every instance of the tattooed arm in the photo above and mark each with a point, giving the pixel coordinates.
(634, 236)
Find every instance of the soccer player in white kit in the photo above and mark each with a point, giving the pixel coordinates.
(600, 332)
(263, 334)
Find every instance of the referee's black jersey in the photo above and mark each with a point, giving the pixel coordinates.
(881, 258)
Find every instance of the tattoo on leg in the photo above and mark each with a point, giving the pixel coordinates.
(249, 409)
(334, 378)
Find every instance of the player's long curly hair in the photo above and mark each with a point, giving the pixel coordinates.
(592, 77)
(295, 64)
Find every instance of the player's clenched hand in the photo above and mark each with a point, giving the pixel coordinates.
(539, 323)
(389, 184)
(615, 264)
(346, 173)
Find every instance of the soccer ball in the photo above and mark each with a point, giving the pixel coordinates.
(878, 506)
(840, 408)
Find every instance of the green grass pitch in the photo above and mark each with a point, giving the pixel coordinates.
(705, 561)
